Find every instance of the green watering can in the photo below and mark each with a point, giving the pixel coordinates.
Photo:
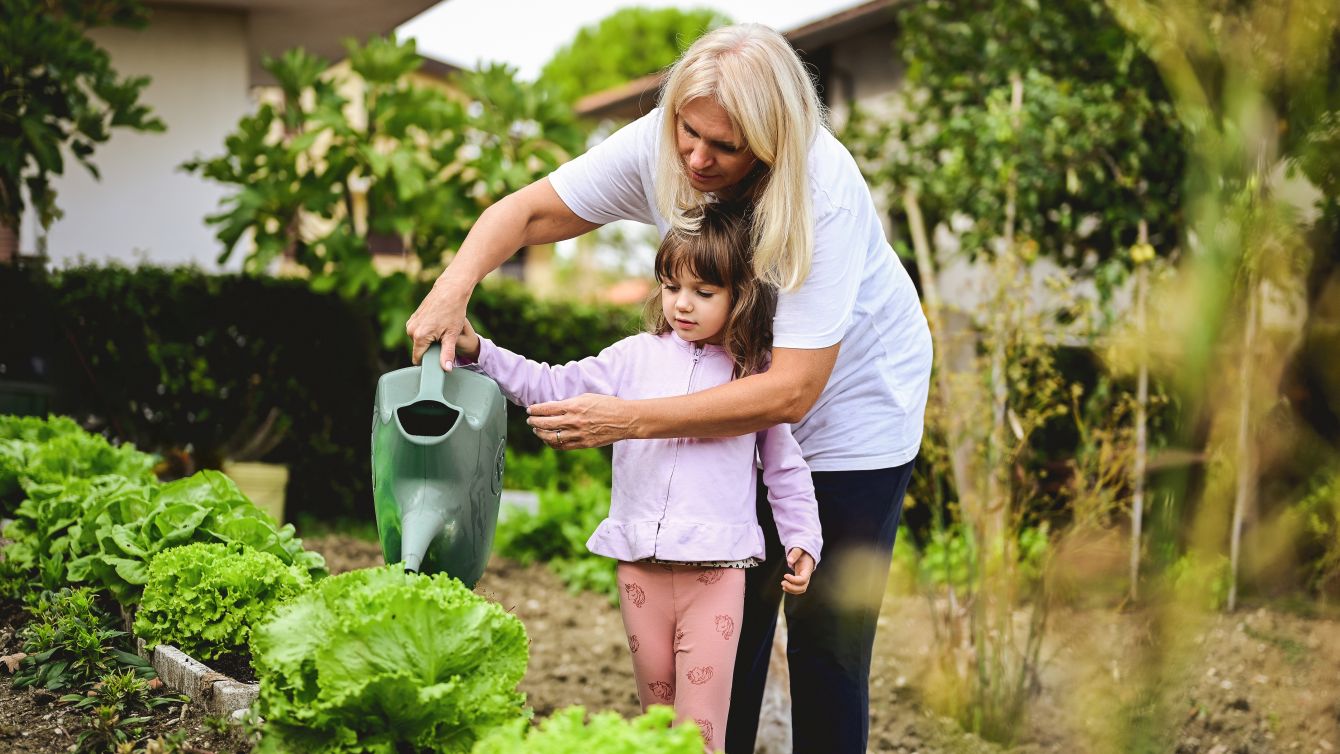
(437, 463)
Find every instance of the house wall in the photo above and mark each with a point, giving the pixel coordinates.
(144, 207)
(861, 68)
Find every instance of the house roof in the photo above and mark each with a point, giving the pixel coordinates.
(637, 97)
(319, 26)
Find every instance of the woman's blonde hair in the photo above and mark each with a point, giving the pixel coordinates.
(757, 78)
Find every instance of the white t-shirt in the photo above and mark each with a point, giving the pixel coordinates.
(870, 415)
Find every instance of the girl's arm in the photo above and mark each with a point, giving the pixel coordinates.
(790, 491)
(783, 394)
(525, 382)
(533, 215)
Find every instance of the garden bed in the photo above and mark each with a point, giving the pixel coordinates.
(35, 722)
(1268, 681)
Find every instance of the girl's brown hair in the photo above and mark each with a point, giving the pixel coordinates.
(720, 254)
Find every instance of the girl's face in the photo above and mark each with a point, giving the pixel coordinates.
(696, 310)
(713, 152)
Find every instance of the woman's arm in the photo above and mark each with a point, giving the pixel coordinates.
(783, 394)
(533, 215)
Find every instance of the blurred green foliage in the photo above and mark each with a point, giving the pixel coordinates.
(1092, 147)
(626, 45)
(325, 175)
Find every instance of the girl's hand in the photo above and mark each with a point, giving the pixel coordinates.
(467, 343)
(803, 564)
(587, 421)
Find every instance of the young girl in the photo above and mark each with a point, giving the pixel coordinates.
(682, 520)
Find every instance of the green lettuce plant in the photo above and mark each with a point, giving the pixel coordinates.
(53, 526)
(41, 451)
(205, 598)
(92, 512)
(379, 660)
(205, 507)
(567, 732)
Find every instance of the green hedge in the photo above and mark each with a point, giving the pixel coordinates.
(188, 364)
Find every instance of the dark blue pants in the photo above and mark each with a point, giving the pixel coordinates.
(829, 639)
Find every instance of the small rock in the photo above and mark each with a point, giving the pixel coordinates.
(1323, 743)
(1225, 684)
(12, 661)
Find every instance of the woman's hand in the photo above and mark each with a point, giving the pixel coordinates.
(530, 217)
(802, 563)
(440, 318)
(587, 421)
(467, 343)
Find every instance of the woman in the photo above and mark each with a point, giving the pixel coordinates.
(739, 119)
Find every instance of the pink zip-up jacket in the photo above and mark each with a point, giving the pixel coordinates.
(680, 499)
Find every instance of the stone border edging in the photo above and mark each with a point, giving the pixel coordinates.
(216, 692)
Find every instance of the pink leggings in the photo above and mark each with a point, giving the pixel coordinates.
(683, 627)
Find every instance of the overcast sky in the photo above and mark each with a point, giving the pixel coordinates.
(526, 33)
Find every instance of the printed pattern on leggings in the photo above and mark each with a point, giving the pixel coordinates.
(681, 622)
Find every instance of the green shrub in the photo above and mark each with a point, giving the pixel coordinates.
(556, 535)
(206, 598)
(567, 732)
(554, 332)
(550, 469)
(1319, 512)
(190, 365)
(382, 660)
(951, 558)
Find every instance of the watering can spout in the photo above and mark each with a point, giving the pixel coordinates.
(418, 529)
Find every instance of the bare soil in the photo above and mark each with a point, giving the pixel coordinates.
(1255, 682)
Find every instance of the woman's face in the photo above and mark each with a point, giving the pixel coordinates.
(712, 150)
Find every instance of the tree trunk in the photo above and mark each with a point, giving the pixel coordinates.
(956, 440)
(960, 447)
(9, 244)
(1141, 419)
(1246, 483)
(997, 498)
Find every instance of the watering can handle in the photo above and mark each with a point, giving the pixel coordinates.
(431, 377)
